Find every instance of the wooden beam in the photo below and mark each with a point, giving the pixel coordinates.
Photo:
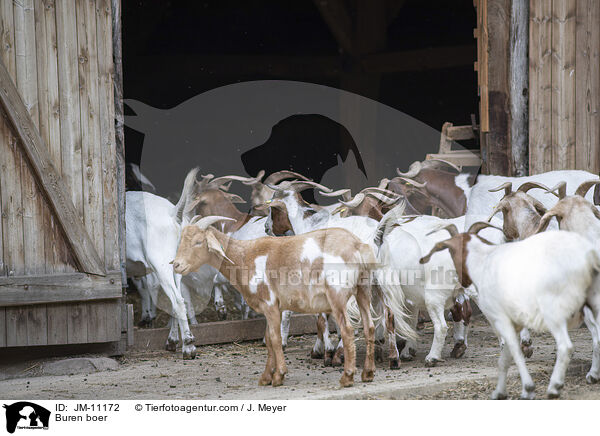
(50, 182)
(519, 85)
(498, 137)
(209, 333)
(119, 130)
(58, 288)
(338, 19)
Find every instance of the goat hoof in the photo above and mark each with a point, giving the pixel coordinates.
(378, 354)
(499, 395)
(347, 380)
(328, 359)
(528, 392)
(221, 315)
(431, 362)
(458, 350)
(591, 379)
(189, 352)
(554, 391)
(527, 349)
(407, 357)
(277, 379)
(394, 364)
(171, 344)
(316, 354)
(338, 357)
(367, 376)
(265, 379)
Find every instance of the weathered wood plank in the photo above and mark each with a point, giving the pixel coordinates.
(98, 322)
(10, 160)
(37, 328)
(57, 324)
(77, 326)
(31, 142)
(2, 327)
(70, 129)
(563, 84)
(220, 332)
(119, 132)
(540, 87)
(27, 290)
(16, 327)
(519, 85)
(498, 137)
(90, 123)
(587, 86)
(27, 78)
(112, 159)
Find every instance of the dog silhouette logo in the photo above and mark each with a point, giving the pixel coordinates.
(26, 415)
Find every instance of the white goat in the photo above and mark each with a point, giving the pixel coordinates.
(542, 283)
(433, 287)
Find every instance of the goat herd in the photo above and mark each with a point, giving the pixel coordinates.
(373, 260)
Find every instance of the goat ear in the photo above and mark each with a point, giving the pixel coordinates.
(234, 198)
(215, 246)
(437, 247)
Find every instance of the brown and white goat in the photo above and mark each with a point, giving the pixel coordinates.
(311, 273)
(521, 212)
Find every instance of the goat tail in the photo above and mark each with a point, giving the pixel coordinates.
(186, 193)
(393, 298)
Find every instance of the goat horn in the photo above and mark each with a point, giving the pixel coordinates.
(530, 185)
(384, 198)
(205, 222)
(301, 185)
(355, 201)
(383, 183)
(445, 162)
(413, 170)
(506, 186)
(451, 228)
(480, 225)
(344, 193)
(585, 187)
(499, 208)
(278, 176)
(412, 182)
(224, 179)
(385, 192)
(562, 190)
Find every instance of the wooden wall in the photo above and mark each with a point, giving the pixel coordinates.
(58, 54)
(564, 85)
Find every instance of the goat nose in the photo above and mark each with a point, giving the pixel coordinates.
(175, 264)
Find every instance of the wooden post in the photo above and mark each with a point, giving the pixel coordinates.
(498, 138)
(119, 130)
(519, 84)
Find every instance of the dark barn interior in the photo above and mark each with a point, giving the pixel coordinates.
(415, 56)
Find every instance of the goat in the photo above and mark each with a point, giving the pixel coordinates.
(317, 259)
(522, 214)
(433, 288)
(529, 283)
(574, 212)
(152, 236)
(288, 211)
